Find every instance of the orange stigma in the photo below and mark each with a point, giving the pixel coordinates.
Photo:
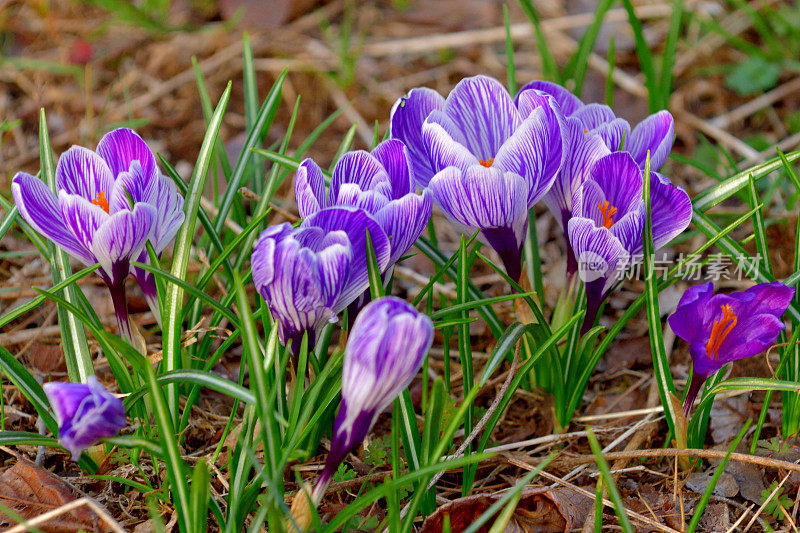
(486, 162)
(101, 201)
(720, 330)
(608, 211)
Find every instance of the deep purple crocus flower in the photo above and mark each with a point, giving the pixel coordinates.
(485, 157)
(724, 328)
(656, 133)
(105, 209)
(307, 275)
(605, 232)
(85, 412)
(384, 352)
(380, 182)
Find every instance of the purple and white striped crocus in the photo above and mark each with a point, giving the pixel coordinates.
(105, 209)
(380, 182)
(307, 275)
(605, 232)
(656, 133)
(724, 328)
(384, 352)
(485, 157)
(85, 412)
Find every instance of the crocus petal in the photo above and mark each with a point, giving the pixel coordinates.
(363, 169)
(629, 230)
(684, 320)
(355, 223)
(132, 186)
(581, 151)
(483, 110)
(121, 147)
(773, 297)
(309, 188)
(480, 197)
(620, 178)
(567, 102)
(614, 134)
(598, 251)
(408, 114)
(394, 157)
(536, 150)
(170, 215)
(38, 206)
(671, 209)
(404, 220)
(655, 133)
(350, 194)
(82, 218)
(81, 171)
(443, 150)
(752, 336)
(123, 236)
(594, 115)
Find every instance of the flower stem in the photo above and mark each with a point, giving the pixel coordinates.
(121, 310)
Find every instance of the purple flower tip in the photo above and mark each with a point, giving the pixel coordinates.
(85, 412)
(724, 328)
(386, 347)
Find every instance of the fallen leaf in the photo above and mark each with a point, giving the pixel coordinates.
(726, 485)
(30, 491)
(750, 479)
(46, 358)
(540, 509)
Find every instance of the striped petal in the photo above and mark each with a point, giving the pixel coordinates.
(567, 102)
(671, 209)
(169, 216)
(395, 158)
(598, 251)
(404, 220)
(482, 109)
(655, 133)
(444, 150)
(121, 237)
(82, 219)
(406, 119)
(39, 207)
(123, 146)
(132, 186)
(81, 171)
(309, 188)
(363, 169)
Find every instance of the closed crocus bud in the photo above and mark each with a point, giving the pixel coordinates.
(387, 344)
(85, 412)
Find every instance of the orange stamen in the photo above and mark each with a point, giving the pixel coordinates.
(608, 211)
(486, 162)
(720, 330)
(101, 201)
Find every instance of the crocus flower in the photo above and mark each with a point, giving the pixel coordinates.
(104, 211)
(307, 275)
(485, 158)
(724, 328)
(120, 148)
(386, 347)
(656, 133)
(609, 214)
(85, 412)
(380, 182)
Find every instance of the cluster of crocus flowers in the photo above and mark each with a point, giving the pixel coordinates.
(309, 274)
(108, 204)
(485, 157)
(606, 228)
(384, 352)
(85, 413)
(723, 328)
(380, 182)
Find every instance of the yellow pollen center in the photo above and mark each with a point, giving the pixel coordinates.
(101, 201)
(608, 211)
(720, 330)
(486, 162)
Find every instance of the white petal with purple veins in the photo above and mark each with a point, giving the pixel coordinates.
(131, 187)
(655, 133)
(361, 168)
(82, 218)
(122, 237)
(404, 220)
(39, 207)
(483, 110)
(81, 171)
(309, 188)
(567, 102)
(443, 150)
(395, 158)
